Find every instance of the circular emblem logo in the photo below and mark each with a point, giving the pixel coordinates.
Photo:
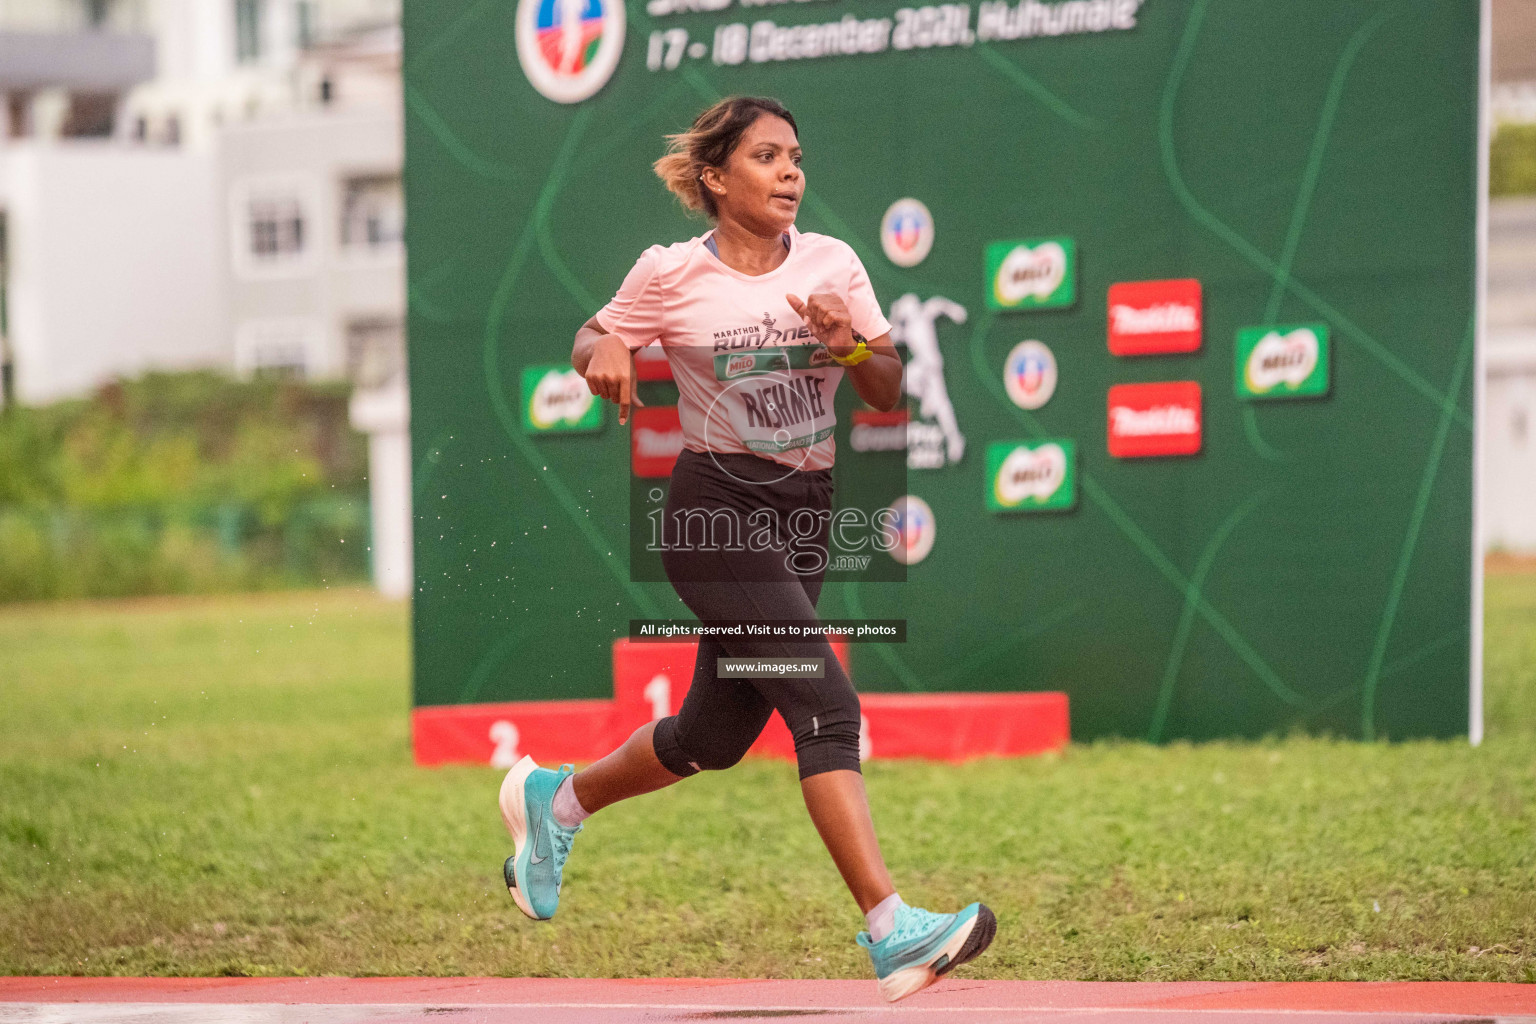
(906, 232)
(1029, 374)
(569, 48)
(915, 527)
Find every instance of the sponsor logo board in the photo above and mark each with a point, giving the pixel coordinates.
(651, 363)
(1282, 361)
(876, 431)
(569, 48)
(914, 525)
(655, 439)
(1154, 419)
(906, 232)
(1031, 476)
(1038, 273)
(556, 398)
(1154, 317)
(934, 439)
(1029, 374)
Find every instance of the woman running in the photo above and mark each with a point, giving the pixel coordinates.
(759, 322)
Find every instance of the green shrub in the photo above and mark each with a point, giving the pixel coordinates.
(198, 438)
(182, 483)
(71, 553)
(1512, 160)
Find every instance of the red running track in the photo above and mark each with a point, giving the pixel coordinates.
(651, 1001)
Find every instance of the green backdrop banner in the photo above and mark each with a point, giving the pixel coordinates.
(1245, 502)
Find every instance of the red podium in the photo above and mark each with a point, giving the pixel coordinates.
(650, 679)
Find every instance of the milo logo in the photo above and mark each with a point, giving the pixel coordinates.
(1282, 362)
(557, 398)
(1036, 274)
(746, 364)
(1277, 360)
(1030, 475)
(1029, 272)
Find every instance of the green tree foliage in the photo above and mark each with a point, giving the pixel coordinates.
(183, 439)
(185, 482)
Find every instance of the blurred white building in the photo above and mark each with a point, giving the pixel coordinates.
(203, 183)
(199, 183)
(1509, 396)
(1508, 441)
(1514, 60)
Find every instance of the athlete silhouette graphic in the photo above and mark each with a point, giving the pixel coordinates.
(912, 325)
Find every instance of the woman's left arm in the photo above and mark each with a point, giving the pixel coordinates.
(878, 378)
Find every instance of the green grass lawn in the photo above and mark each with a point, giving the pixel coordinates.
(224, 786)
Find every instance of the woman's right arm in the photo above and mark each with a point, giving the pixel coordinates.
(607, 364)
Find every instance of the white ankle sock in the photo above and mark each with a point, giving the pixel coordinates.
(883, 917)
(568, 810)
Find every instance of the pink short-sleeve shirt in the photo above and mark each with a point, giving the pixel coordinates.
(750, 375)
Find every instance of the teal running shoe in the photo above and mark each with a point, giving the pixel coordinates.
(541, 844)
(923, 947)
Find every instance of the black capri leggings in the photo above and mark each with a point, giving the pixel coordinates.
(725, 576)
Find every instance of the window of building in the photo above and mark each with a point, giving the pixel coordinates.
(247, 31)
(372, 212)
(18, 110)
(90, 115)
(276, 346)
(277, 227)
(272, 225)
(304, 17)
(375, 351)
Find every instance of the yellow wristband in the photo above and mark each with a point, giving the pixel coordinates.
(858, 355)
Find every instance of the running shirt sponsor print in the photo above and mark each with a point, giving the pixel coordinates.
(1282, 362)
(792, 406)
(750, 375)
